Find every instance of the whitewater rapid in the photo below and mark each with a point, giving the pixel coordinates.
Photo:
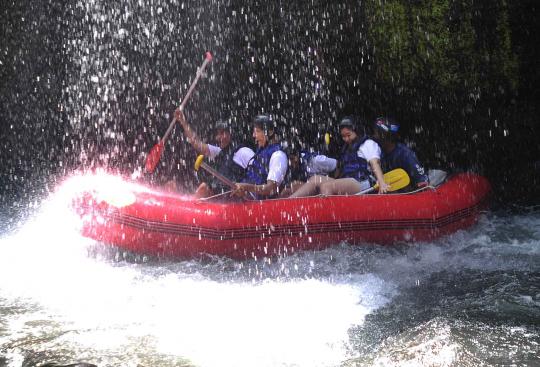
(65, 298)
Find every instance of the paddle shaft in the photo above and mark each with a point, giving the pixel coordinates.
(218, 175)
(366, 191)
(207, 60)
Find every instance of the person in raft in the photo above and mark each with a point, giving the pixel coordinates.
(359, 158)
(303, 164)
(266, 171)
(396, 154)
(228, 157)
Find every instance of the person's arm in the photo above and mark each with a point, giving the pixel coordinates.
(267, 189)
(321, 164)
(415, 170)
(377, 171)
(198, 145)
(371, 152)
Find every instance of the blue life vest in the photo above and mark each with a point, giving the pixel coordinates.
(258, 166)
(403, 157)
(351, 164)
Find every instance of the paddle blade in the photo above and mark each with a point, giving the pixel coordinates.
(327, 139)
(198, 162)
(153, 157)
(397, 179)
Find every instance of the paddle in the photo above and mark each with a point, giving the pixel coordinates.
(199, 163)
(155, 153)
(397, 179)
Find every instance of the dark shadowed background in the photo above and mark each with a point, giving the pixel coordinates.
(88, 85)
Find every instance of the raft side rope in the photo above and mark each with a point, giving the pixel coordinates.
(215, 196)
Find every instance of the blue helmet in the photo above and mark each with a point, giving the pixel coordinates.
(387, 124)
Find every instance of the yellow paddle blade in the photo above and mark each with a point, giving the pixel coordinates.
(327, 139)
(397, 179)
(198, 162)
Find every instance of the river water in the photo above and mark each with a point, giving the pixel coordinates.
(471, 299)
(92, 83)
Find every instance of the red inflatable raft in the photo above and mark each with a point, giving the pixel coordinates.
(155, 223)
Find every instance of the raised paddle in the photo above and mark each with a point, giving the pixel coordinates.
(397, 179)
(155, 153)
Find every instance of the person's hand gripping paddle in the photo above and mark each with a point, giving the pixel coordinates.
(155, 153)
(397, 179)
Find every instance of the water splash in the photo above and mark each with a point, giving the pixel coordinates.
(66, 298)
(100, 307)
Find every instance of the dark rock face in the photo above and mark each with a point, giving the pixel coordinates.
(85, 86)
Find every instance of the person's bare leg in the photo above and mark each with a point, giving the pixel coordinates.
(342, 186)
(285, 192)
(296, 185)
(311, 187)
(291, 188)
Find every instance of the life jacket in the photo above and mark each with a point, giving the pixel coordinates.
(351, 164)
(258, 166)
(300, 173)
(225, 165)
(403, 157)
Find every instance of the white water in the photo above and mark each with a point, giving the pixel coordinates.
(118, 313)
(65, 298)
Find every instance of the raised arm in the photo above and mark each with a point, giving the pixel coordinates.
(198, 145)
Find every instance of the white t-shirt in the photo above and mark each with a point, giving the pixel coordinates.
(321, 165)
(369, 150)
(241, 157)
(277, 167)
(214, 151)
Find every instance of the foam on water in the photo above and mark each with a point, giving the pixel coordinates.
(304, 310)
(105, 306)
